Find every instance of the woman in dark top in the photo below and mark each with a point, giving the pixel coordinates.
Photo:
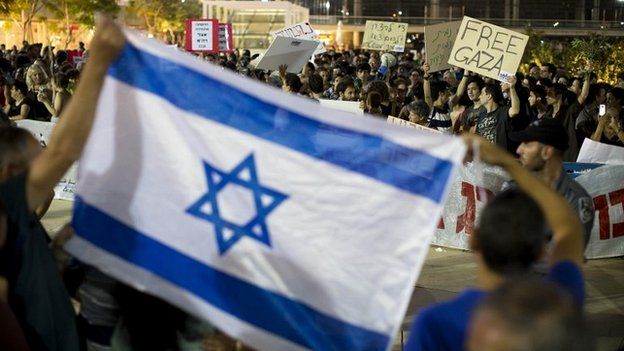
(21, 107)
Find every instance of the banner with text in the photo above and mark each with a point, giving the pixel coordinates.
(301, 30)
(202, 35)
(226, 39)
(488, 50)
(439, 39)
(473, 187)
(402, 122)
(384, 36)
(605, 186)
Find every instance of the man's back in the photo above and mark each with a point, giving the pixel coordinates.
(444, 326)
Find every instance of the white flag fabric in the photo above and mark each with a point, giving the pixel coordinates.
(285, 224)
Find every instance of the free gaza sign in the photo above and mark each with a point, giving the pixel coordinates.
(487, 49)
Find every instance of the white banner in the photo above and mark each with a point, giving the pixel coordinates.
(595, 152)
(606, 186)
(64, 190)
(469, 193)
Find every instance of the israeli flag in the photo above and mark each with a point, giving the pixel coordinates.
(287, 225)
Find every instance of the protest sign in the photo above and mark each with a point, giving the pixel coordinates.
(402, 122)
(301, 30)
(488, 50)
(226, 40)
(293, 52)
(202, 35)
(385, 36)
(595, 152)
(439, 39)
(348, 106)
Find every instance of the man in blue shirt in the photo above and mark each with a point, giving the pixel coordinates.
(528, 314)
(508, 240)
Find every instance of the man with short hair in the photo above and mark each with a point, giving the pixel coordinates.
(418, 112)
(528, 315)
(534, 70)
(495, 124)
(316, 86)
(538, 108)
(475, 112)
(548, 70)
(541, 152)
(508, 240)
(346, 90)
(362, 72)
(291, 83)
(568, 113)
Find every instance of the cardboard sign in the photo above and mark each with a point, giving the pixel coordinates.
(301, 30)
(595, 152)
(293, 52)
(402, 122)
(202, 35)
(385, 36)
(226, 40)
(488, 50)
(439, 39)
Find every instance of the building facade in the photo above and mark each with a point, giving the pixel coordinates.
(608, 10)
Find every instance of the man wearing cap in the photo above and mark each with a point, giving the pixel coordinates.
(541, 150)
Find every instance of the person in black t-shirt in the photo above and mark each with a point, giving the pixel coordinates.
(22, 106)
(494, 125)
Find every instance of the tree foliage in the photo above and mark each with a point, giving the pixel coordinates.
(603, 54)
(73, 12)
(164, 17)
(6, 6)
(22, 13)
(82, 11)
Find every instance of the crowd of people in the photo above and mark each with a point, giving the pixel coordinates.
(455, 101)
(528, 126)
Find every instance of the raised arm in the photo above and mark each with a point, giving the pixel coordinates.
(71, 133)
(602, 124)
(566, 227)
(427, 85)
(514, 110)
(585, 90)
(461, 88)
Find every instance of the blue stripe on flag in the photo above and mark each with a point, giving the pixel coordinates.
(412, 170)
(279, 315)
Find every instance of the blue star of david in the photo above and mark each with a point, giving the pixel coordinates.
(256, 228)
